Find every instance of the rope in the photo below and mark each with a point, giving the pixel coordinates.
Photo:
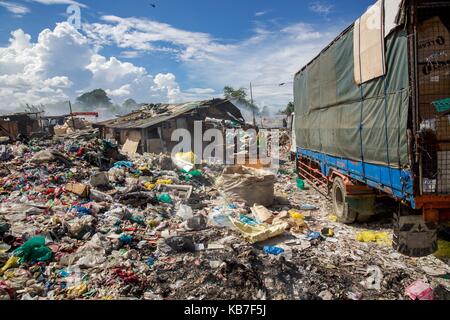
(386, 128)
(362, 99)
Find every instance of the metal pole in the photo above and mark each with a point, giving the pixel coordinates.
(71, 114)
(252, 106)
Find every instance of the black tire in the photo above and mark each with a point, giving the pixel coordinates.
(340, 205)
(413, 236)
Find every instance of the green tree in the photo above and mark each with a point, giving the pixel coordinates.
(231, 93)
(289, 109)
(238, 94)
(95, 98)
(129, 104)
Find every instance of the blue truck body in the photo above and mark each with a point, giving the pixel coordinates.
(394, 181)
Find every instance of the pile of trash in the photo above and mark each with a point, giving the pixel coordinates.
(71, 125)
(81, 220)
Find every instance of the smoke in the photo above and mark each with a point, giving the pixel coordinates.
(265, 117)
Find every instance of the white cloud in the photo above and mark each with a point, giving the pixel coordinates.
(148, 35)
(16, 8)
(62, 63)
(67, 2)
(260, 13)
(271, 56)
(130, 54)
(320, 7)
(201, 91)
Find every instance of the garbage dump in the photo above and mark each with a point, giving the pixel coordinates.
(81, 220)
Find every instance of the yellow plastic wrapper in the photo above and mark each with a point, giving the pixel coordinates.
(328, 232)
(296, 215)
(149, 186)
(260, 232)
(77, 291)
(162, 181)
(333, 218)
(372, 236)
(13, 262)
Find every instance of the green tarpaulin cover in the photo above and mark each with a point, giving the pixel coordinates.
(336, 116)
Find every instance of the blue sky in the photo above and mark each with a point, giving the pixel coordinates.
(175, 51)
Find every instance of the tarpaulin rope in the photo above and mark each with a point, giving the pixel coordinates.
(362, 105)
(386, 129)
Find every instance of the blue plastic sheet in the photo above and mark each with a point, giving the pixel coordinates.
(248, 220)
(273, 250)
(123, 164)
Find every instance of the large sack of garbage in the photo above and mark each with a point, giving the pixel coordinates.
(253, 186)
(70, 126)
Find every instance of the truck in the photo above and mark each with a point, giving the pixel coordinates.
(372, 118)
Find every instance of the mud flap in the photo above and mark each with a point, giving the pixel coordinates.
(413, 236)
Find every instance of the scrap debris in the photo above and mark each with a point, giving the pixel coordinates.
(101, 224)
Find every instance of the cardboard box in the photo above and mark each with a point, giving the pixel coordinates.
(79, 189)
(433, 59)
(433, 41)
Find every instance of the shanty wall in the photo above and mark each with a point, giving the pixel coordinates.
(10, 127)
(158, 138)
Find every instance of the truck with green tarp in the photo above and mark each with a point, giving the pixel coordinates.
(372, 118)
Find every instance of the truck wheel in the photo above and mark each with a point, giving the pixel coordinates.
(341, 208)
(412, 235)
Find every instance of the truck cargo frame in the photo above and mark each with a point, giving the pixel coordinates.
(403, 183)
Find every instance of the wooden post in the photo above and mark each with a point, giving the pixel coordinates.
(71, 114)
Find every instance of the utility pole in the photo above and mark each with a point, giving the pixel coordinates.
(71, 114)
(252, 106)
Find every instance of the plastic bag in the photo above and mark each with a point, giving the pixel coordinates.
(296, 215)
(192, 174)
(165, 198)
(185, 212)
(220, 218)
(34, 250)
(123, 164)
(13, 262)
(273, 250)
(371, 236)
(248, 220)
(308, 207)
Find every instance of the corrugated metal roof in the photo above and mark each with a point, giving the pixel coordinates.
(140, 120)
